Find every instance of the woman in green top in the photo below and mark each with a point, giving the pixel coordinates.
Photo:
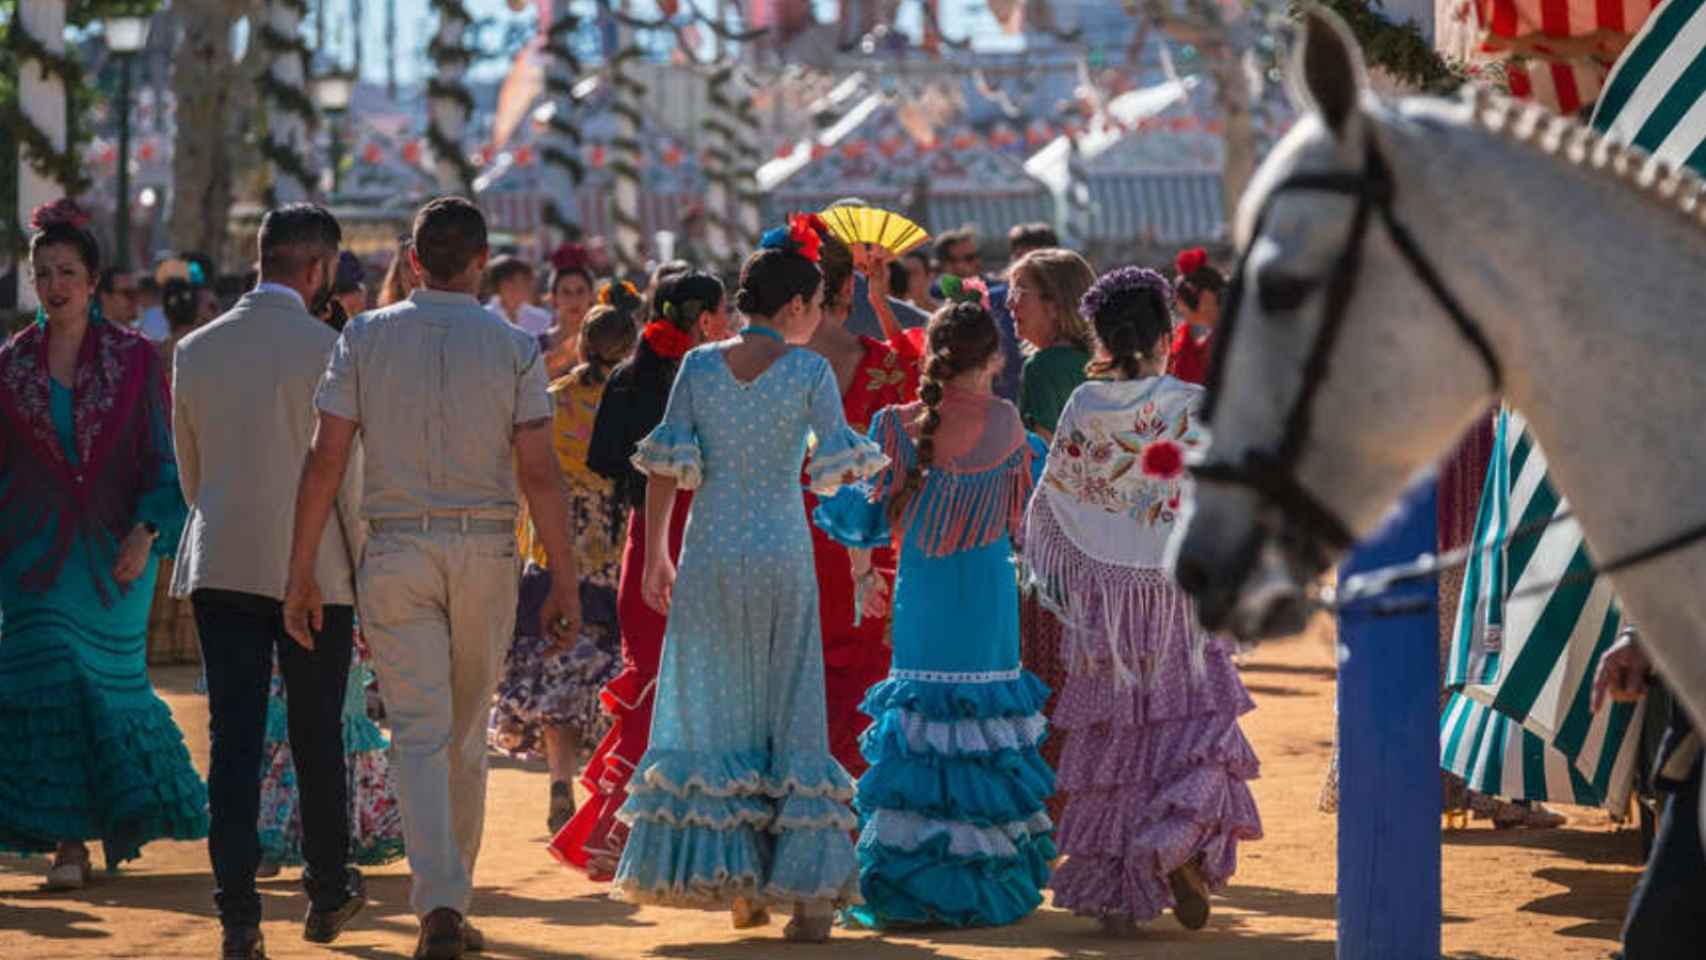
(1044, 289)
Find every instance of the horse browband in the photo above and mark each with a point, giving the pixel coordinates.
(1274, 474)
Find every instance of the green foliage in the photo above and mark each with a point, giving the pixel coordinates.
(1398, 48)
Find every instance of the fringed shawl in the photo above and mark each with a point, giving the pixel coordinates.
(1098, 527)
(121, 412)
(976, 490)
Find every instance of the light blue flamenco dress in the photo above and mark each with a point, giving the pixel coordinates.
(738, 794)
(953, 826)
(87, 750)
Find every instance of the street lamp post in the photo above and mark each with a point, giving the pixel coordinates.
(333, 91)
(126, 35)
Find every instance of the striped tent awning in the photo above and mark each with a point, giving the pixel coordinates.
(1525, 644)
(1174, 209)
(1655, 97)
(1494, 755)
(1554, 52)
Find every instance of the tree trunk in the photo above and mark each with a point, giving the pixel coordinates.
(1232, 99)
(211, 91)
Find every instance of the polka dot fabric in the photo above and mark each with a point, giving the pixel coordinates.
(737, 794)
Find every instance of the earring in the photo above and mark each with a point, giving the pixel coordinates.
(41, 316)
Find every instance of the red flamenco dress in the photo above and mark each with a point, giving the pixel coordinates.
(633, 403)
(855, 657)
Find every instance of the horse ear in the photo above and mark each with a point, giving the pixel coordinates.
(1328, 68)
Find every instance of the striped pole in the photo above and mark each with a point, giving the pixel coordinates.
(720, 184)
(629, 93)
(559, 154)
(747, 154)
(290, 113)
(41, 101)
(449, 104)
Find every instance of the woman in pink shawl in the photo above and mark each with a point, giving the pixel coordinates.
(88, 503)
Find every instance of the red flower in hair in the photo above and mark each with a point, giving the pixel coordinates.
(1190, 261)
(1163, 460)
(805, 232)
(62, 211)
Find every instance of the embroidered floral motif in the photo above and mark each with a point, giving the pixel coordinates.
(1136, 467)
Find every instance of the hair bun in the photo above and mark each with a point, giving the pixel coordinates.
(63, 212)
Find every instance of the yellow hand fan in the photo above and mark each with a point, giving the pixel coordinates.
(884, 228)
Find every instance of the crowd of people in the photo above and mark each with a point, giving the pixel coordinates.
(839, 593)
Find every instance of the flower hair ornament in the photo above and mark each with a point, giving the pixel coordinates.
(1190, 261)
(619, 294)
(802, 236)
(571, 256)
(957, 290)
(63, 211)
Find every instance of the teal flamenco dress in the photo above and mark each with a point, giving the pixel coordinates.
(954, 830)
(87, 750)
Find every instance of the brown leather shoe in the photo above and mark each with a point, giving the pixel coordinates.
(473, 940)
(1190, 896)
(441, 936)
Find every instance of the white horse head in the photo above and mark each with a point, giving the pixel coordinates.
(1347, 362)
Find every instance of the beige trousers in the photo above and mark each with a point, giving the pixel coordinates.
(438, 613)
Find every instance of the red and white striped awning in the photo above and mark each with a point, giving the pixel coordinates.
(1554, 52)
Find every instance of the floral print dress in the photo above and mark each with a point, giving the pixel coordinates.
(376, 822)
(1154, 767)
(538, 688)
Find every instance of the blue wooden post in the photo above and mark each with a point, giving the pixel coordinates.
(1389, 790)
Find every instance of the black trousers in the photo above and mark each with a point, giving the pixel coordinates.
(240, 634)
(1667, 915)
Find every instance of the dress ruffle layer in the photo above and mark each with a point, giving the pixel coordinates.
(1155, 778)
(706, 828)
(954, 826)
(87, 764)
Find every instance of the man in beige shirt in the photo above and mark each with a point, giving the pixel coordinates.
(243, 414)
(451, 407)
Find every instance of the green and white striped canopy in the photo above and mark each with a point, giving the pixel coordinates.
(1655, 97)
(1525, 649)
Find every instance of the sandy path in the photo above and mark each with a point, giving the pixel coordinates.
(1558, 894)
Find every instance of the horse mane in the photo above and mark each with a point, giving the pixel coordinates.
(1678, 187)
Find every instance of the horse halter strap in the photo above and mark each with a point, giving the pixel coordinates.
(1273, 474)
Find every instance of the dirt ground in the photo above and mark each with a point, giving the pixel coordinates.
(1555, 894)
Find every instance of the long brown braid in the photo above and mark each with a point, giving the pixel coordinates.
(960, 337)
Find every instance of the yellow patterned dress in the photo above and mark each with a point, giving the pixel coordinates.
(538, 688)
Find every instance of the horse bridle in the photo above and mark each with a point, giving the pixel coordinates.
(1272, 474)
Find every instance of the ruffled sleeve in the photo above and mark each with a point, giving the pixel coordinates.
(842, 456)
(672, 448)
(857, 516)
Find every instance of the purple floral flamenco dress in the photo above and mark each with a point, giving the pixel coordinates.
(1155, 766)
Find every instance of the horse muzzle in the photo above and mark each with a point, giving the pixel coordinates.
(1249, 586)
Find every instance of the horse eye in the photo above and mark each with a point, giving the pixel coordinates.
(1282, 292)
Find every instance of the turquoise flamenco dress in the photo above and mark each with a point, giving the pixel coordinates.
(737, 794)
(89, 752)
(954, 830)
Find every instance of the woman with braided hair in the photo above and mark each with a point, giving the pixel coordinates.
(738, 802)
(952, 808)
(1154, 764)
